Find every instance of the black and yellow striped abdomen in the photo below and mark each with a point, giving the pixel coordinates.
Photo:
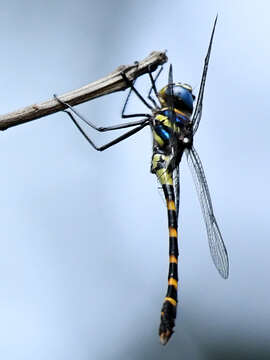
(160, 166)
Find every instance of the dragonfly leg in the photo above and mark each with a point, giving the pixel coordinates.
(123, 115)
(100, 128)
(124, 136)
(153, 87)
(160, 163)
(130, 84)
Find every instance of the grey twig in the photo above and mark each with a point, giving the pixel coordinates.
(109, 84)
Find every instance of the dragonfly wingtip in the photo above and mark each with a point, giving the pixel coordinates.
(224, 273)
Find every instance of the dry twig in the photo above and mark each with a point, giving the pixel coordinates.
(111, 83)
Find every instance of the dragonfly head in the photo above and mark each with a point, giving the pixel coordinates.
(179, 96)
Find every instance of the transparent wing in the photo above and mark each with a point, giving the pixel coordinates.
(198, 110)
(176, 185)
(216, 244)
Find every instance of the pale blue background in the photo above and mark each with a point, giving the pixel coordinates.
(83, 250)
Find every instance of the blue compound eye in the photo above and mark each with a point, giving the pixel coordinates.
(184, 95)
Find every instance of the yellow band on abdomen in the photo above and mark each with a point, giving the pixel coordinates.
(173, 282)
(171, 205)
(171, 300)
(173, 259)
(172, 232)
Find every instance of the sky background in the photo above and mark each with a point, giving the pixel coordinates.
(84, 243)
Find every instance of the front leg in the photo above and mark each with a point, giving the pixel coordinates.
(101, 128)
(130, 84)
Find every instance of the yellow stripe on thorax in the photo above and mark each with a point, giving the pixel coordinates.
(164, 120)
(158, 139)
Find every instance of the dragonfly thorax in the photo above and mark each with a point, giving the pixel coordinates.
(179, 96)
(172, 131)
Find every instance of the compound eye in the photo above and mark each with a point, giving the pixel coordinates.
(177, 91)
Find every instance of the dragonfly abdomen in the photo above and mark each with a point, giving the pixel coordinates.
(160, 166)
(168, 311)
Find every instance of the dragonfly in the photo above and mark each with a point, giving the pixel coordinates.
(173, 122)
